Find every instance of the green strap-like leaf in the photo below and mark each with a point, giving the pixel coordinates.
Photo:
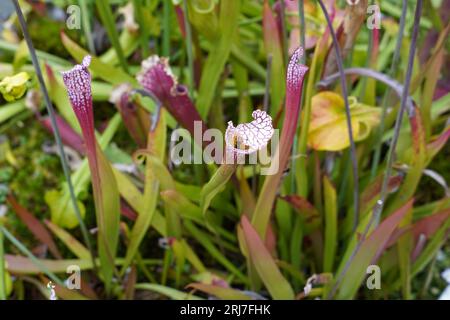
(330, 225)
(99, 68)
(156, 147)
(278, 287)
(73, 244)
(217, 57)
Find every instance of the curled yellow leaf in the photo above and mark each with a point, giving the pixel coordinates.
(328, 128)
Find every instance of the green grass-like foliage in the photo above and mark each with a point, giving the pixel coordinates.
(192, 231)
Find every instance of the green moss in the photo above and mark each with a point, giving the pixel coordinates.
(45, 34)
(36, 171)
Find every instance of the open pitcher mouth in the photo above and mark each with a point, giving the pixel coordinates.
(247, 138)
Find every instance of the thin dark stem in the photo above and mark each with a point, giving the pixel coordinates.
(403, 103)
(30, 256)
(51, 112)
(378, 208)
(393, 71)
(157, 113)
(391, 83)
(348, 117)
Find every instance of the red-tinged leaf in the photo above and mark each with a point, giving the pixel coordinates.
(437, 144)
(35, 226)
(294, 83)
(427, 227)
(73, 244)
(274, 47)
(306, 210)
(417, 163)
(406, 191)
(432, 247)
(23, 265)
(264, 264)
(87, 290)
(127, 211)
(220, 292)
(371, 248)
(180, 20)
(69, 136)
(67, 294)
(130, 283)
(303, 206)
(59, 201)
(271, 240)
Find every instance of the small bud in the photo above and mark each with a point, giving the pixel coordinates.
(14, 87)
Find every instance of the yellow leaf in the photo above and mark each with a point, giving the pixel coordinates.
(328, 128)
